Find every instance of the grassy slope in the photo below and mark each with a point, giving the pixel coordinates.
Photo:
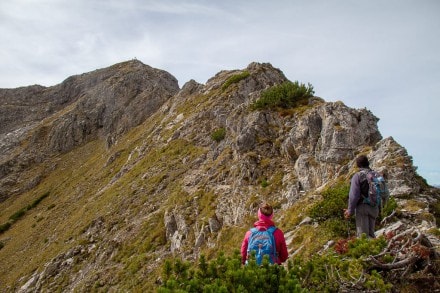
(53, 226)
(75, 199)
(134, 204)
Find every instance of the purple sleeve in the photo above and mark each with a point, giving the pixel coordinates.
(355, 193)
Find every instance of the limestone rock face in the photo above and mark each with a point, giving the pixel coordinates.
(176, 230)
(392, 160)
(325, 138)
(125, 95)
(103, 104)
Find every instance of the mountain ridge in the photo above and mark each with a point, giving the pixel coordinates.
(131, 190)
(82, 108)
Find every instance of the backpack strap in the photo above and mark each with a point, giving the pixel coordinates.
(271, 231)
(364, 184)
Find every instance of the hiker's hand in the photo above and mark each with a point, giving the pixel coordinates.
(346, 214)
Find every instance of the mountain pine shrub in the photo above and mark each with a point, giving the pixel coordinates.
(227, 274)
(219, 134)
(389, 207)
(4, 227)
(327, 273)
(18, 215)
(264, 183)
(334, 270)
(286, 95)
(434, 208)
(329, 211)
(344, 268)
(334, 201)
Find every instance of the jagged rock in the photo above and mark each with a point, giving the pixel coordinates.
(325, 137)
(176, 242)
(393, 160)
(397, 226)
(101, 104)
(214, 225)
(246, 140)
(200, 240)
(176, 230)
(95, 229)
(29, 286)
(170, 225)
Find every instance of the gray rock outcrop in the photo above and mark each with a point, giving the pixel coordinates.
(103, 104)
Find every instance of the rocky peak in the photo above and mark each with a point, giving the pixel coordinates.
(102, 104)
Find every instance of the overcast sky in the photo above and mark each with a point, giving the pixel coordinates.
(380, 54)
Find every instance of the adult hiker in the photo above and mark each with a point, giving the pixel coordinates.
(365, 213)
(264, 238)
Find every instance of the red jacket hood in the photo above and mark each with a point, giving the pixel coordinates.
(265, 224)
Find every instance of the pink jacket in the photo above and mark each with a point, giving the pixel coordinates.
(280, 241)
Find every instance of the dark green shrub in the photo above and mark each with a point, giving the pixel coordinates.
(332, 272)
(17, 215)
(363, 246)
(235, 78)
(434, 209)
(334, 201)
(219, 134)
(226, 274)
(325, 272)
(339, 227)
(389, 207)
(38, 200)
(4, 227)
(286, 95)
(329, 211)
(20, 213)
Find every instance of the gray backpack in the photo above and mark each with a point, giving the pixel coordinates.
(374, 189)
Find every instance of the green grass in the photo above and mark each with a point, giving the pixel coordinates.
(235, 79)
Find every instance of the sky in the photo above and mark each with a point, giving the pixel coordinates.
(383, 55)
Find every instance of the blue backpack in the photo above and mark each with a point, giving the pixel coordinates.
(373, 188)
(263, 243)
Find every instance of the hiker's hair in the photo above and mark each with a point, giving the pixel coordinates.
(362, 162)
(266, 209)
